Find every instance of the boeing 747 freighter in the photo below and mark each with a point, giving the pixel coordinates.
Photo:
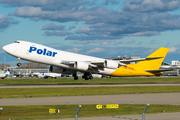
(69, 63)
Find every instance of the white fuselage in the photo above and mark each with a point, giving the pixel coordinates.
(3, 75)
(51, 75)
(43, 54)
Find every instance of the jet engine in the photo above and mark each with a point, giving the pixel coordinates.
(81, 65)
(111, 64)
(56, 69)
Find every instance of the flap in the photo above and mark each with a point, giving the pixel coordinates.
(67, 62)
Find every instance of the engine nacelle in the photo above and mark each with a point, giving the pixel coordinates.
(56, 69)
(81, 65)
(111, 64)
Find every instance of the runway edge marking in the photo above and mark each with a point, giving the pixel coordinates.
(125, 118)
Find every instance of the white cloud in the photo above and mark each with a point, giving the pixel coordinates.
(28, 11)
(147, 33)
(55, 33)
(119, 43)
(131, 42)
(84, 29)
(83, 42)
(75, 50)
(6, 21)
(95, 50)
(151, 5)
(105, 42)
(99, 22)
(52, 26)
(173, 49)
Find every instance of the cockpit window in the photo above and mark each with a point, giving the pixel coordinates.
(17, 42)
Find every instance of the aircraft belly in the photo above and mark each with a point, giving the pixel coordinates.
(106, 71)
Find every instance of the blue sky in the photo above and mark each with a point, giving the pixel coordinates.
(101, 28)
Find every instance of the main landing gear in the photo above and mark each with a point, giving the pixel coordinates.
(87, 76)
(18, 64)
(75, 76)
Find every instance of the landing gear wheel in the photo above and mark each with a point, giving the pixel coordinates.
(87, 76)
(18, 64)
(91, 77)
(75, 76)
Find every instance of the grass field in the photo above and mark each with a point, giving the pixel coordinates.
(68, 111)
(77, 91)
(20, 81)
(81, 91)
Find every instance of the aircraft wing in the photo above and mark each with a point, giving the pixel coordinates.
(105, 63)
(92, 64)
(99, 64)
(123, 62)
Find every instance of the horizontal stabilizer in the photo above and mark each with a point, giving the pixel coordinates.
(140, 59)
(160, 70)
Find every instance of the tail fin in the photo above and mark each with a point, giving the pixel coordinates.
(8, 70)
(154, 64)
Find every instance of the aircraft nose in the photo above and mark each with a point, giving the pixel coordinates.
(5, 48)
(8, 48)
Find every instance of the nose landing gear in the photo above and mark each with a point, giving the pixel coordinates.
(18, 64)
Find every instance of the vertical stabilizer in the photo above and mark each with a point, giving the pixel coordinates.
(155, 63)
(8, 71)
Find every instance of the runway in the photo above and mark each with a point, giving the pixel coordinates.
(157, 98)
(90, 85)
